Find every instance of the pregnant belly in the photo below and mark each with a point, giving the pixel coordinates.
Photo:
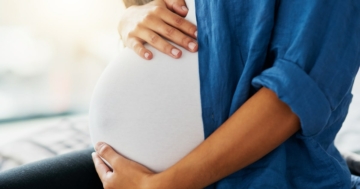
(149, 111)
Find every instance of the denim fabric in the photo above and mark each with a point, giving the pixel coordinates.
(308, 53)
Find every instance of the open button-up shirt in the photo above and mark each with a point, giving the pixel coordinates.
(308, 53)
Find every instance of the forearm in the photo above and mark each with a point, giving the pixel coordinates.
(255, 129)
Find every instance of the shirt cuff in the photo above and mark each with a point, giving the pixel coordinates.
(299, 91)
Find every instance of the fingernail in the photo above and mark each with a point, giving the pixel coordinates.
(147, 55)
(175, 52)
(192, 45)
(184, 8)
(195, 34)
(93, 154)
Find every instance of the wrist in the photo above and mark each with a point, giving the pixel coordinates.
(161, 181)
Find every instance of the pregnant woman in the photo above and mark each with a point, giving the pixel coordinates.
(259, 108)
(275, 88)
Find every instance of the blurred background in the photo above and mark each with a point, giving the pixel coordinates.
(51, 54)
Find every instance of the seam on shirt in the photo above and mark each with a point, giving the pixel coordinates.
(327, 100)
(241, 56)
(331, 165)
(333, 107)
(317, 85)
(347, 99)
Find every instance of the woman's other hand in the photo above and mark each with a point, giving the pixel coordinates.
(124, 173)
(153, 23)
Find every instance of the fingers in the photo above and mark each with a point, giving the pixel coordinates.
(108, 153)
(177, 22)
(153, 23)
(101, 168)
(137, 45)
(177, 6)
(113, 158)
(159, 43)
(173, 34)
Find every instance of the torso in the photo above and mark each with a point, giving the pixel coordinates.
(149, 111)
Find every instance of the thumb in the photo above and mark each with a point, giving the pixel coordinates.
(177, 6)
(107, 153)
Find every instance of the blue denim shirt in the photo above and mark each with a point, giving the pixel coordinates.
(308, 53)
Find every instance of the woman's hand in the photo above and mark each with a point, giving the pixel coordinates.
(124, 173)
(153, 22)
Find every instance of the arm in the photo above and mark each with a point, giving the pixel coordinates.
(244, 138)
(255, 129)
(154, 22)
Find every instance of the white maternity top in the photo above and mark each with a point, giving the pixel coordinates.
(149, 111)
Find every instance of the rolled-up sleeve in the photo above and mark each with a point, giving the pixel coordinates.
(315, 47)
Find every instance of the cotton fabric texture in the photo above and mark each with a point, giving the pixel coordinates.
(149, 111)
(308, 53)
